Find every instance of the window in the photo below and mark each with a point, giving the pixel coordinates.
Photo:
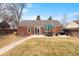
(29, 29)
(47, 29)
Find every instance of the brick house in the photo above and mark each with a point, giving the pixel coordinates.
(73, 26)
(30, 27)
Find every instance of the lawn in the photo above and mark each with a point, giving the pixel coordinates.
(7, 39)
(48, 46)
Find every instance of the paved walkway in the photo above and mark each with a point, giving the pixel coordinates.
(14, 44)
(63, 36)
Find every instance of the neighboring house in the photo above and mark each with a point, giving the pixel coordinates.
(73, 24)
(30, 27)
(5, 28)
(74, 27)
(4, 25)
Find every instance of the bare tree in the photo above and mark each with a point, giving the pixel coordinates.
(16, 10)
(3, 12)
(64, 20)
(11, 12)
(77, 17)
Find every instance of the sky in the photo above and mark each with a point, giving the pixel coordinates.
(56, 10)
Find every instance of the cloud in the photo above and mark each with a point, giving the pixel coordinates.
(25, 10)
(29, 5)
(28, 17)
(70, 17)
(32, 18)
(73, 14)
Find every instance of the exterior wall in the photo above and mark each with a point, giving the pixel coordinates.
(23, 30)
(56, 29)
(72, 26)
(75, 32)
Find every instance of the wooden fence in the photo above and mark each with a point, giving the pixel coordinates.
(7, 31)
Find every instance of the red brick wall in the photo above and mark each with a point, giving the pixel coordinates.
(23, 30)
(56, 29)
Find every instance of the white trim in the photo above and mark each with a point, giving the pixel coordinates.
(39, 30)
(28, 29)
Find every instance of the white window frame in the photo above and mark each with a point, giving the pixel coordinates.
(28, 29)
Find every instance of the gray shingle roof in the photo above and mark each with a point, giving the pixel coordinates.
(39, 23)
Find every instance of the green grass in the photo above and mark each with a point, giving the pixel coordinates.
(49, 46)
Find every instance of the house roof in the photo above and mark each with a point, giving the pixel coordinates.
(39, 23)
(4, 24)
(76, 21)
(73, 24)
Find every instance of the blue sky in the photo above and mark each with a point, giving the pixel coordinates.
(56, 10)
